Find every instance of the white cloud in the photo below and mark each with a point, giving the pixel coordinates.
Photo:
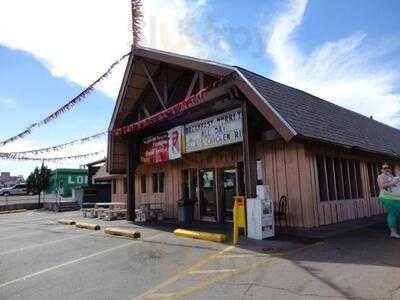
(9, 102)
(78, 40)
(341, 71)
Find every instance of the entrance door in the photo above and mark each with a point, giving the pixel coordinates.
(228, 192)
(208, 207)
(189, 184)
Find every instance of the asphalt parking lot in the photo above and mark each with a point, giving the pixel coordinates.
(41, 259)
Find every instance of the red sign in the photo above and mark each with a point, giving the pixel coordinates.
(162, 147)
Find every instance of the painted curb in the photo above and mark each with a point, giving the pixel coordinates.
(122, 232)
(12, 211)
(66, 222)
(87, 226)
(208, 236)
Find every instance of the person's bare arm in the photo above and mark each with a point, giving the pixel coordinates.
(384, 185)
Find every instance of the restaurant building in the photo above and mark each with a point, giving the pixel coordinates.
(186, 128)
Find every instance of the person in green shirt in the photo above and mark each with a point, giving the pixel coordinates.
(390, 198)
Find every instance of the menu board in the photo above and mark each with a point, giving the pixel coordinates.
(219, 130)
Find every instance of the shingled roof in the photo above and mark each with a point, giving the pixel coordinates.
(315, 118)
(293, 113)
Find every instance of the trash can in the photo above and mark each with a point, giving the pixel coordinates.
(185, 211)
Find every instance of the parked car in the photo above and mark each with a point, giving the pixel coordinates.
(18, 189)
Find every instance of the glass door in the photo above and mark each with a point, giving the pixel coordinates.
(208, 207)
(228, 192)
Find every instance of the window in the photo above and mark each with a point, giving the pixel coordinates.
(125, 186)
(338, 178)
(114, 186)
(143, 183)
(155, 182)
(373, 172)
(158, 182)
(161, 182)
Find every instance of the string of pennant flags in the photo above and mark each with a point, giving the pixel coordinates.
(136, 9)
(171, 111)
(21, 154)
(67, 106)
(52, 159)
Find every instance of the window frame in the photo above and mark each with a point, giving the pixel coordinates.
(125, 187)
(338, 178)
(114, 186)
(373, 170)
(143, 184)
(161, 182)
(158, 182)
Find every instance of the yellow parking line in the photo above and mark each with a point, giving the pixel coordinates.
(213, 271)
(160, 296)
(236, 255)
(211, 280)
(205, 283)
(180, 274)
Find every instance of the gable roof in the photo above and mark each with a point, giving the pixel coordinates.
(315, 118)
(292, 112)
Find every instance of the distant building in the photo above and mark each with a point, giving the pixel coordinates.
(63, 180)
(6, 180)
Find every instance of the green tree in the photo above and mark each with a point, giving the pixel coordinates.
(39, 180)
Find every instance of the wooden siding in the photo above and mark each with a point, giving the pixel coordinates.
(287, 173)
(120, 194)
(289, 169)
(216, 158)
(343, 210)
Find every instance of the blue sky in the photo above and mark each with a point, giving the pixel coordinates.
(345, 51)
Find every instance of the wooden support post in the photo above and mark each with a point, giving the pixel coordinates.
(249, 153)
(133, 152)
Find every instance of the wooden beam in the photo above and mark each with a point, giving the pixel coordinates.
(166, 86)
(249, 153)
(267, 110)
(145, 110)
(133, 154)
(175, 86)
(192, 84)
(201, 80)
(152, 84)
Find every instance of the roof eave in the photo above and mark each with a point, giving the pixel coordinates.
(266, 109)
(300, 137)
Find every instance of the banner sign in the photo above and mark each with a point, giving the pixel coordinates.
(220, 130)
(162, 147)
